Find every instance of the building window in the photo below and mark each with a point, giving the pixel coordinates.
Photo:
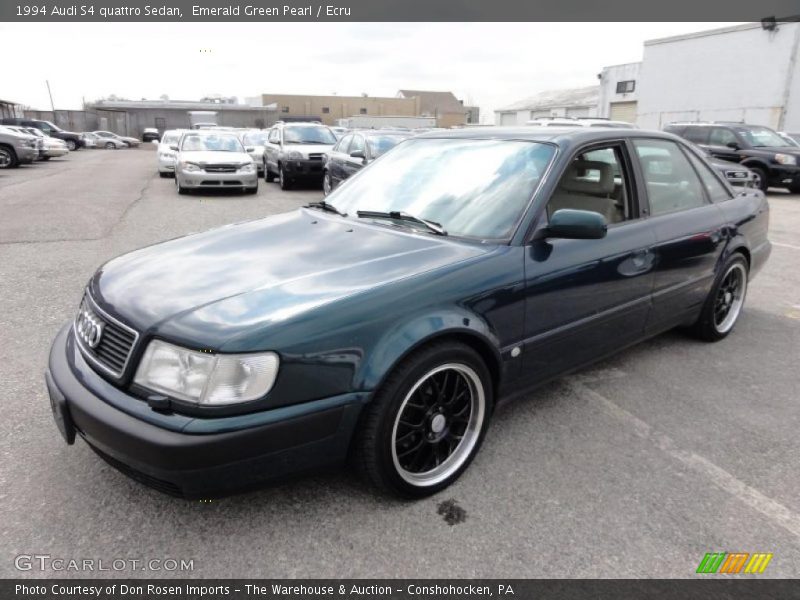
(362, 111)
(326, 110)
(284, 109)
(626, 87)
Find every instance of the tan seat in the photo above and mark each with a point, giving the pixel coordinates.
(579, 192)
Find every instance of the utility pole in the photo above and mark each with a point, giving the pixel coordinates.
(52, 106)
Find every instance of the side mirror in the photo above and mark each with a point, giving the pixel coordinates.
(173, 147)
(732, 145)
(577, 225)
(358, 154)
(249, 149)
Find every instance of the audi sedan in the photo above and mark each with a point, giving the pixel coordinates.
(469, 267)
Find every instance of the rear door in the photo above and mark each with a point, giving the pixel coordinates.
(688, 228)
(586, 298)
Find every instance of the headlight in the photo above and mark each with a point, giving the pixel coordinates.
(190, 167)
(294, 155)
(247, 167)
(785, 159)
(205, 378)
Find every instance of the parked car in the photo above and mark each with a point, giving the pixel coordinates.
(109, 136)
(16, 148)
(90, 140)
(40, 152)
(773, 161)
(150, 133)
(53, 147)
(579, 122)
(383, 325)
(254, 141)
(736, 174)
(71, 139)
(213, 159)
(339, 132)
(296, 151)
(356, 150)
(165, 154)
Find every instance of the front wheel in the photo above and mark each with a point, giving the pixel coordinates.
(283, 180)
(795, 188)
(8, 158)
(761, 178)
(725, 301)
(269, 176)
(110, 146)
(427, 421)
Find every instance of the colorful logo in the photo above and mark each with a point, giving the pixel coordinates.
(734, 562)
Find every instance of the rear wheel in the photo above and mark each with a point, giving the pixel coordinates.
(72, 145)
(725, 301)
(163, 175)
(8, 158)
(427, 421)
(45, 158)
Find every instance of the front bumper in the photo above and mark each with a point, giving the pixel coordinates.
(306, 168)
(782, 175)
(217, 180)
(26, 154)
(55, 152)
(192, 457)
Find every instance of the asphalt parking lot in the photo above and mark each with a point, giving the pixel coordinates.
(635, 468)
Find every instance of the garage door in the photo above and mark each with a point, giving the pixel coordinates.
(576, 113)
(508, 118)
(623, 111)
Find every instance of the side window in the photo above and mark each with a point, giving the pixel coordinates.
(698, 135)
(671, 182)
(715, 189)
(274, 137)
(357, 145)
(595, 180)
(344, 143)
(721, 137)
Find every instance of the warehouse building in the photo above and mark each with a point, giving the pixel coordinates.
(619, 92)
(744, 73)
(9, 110)
(574, 102)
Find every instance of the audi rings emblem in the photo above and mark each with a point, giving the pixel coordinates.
(89, 328)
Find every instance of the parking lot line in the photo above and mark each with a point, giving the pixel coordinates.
(773, 510)
(786, 245)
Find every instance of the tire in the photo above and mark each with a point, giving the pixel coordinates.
(269, 176)
(181, 190)
(327, 184)
(8, 158)
(110, 146)
(762, 181)
(284, 181)
(429, 385)
(252, 190)
(46, 157)
(725, 301)
(72, 145)
(795, 188)
(163, 175)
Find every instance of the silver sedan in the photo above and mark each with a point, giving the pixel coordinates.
(208, 159)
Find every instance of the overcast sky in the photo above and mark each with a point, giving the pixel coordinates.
(487, 64)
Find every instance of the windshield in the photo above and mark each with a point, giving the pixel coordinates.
(170, 138)
(472, 188)
(379, 144)
(308, 135)
(194, 142)
(761, 136)
(52, 126)
(258, 138)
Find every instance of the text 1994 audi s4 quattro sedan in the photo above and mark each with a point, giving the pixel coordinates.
(383, 325)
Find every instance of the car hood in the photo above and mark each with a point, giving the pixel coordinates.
(213, 157)
(207, 288)
(306, 149)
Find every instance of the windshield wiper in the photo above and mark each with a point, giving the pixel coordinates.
(326, 206)
(432, 226)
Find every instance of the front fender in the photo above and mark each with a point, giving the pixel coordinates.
(407, 335)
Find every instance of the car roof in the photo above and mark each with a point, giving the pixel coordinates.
(381, 132)
(555, 135)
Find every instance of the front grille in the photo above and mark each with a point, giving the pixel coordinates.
(220, 168)
(111, 347)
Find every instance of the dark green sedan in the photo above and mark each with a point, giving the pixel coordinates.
(384, 324)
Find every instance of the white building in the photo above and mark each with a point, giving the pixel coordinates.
(576, 102)
(744, 73)
(619, 92)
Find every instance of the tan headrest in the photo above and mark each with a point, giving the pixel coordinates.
(574, 179)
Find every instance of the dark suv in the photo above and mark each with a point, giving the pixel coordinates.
(71, 139)
(762, 150)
